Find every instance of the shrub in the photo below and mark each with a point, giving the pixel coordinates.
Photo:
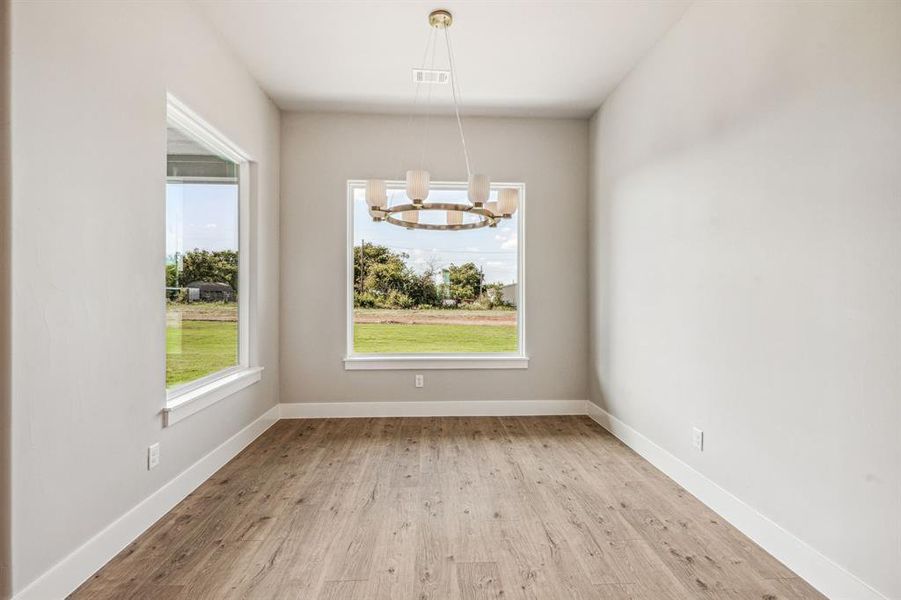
(397, 299)
(365, 300)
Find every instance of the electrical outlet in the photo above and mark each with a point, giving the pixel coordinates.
(697, 439)
(418, 381)
(153, 456)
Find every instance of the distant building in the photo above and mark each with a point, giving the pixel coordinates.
(510, 293)
(211, 291)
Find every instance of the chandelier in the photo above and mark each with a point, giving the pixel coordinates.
(418, 181)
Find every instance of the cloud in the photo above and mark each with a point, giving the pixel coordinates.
(510, 244)
(507, 238)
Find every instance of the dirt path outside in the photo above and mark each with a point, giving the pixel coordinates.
(202, 311)
(218, 311)
(437, 316)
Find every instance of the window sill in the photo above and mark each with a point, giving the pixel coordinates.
(387, 362)
(192, 401)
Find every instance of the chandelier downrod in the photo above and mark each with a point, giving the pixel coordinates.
(418, 182)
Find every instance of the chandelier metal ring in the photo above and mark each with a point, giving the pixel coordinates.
(486, 218)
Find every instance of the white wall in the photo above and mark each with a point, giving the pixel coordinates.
(320, 152)
(89, 139)
(745, 260)
(5, 257)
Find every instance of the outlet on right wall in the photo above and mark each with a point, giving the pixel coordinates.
(746, 265)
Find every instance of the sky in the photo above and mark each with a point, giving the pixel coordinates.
(201, 215)
(493, 249)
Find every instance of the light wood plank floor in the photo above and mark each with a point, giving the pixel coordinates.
(532, 507)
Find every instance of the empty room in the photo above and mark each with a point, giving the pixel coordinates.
(389, 300)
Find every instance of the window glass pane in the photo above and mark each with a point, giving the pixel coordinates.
(201, 262)
(433, 292)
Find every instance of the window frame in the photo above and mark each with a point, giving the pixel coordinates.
(193, 396)
(354, 361)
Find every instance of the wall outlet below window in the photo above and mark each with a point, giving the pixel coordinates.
(153, 456)
(697, 439)
(418, 381)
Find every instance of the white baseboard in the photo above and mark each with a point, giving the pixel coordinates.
(439, 408)
(64, 577)
(825, 575)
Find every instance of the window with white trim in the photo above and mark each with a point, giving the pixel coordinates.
(207, 316)
(434, 299)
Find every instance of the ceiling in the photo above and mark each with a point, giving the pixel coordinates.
(527, 58)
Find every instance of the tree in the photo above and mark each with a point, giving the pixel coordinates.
(378, 270)
(382, 279)
(465, 282)
(422, 289)
(493, 295)
(171, 275)
(220, 266)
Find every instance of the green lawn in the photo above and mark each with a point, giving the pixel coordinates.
(435, 338)
(198, 348)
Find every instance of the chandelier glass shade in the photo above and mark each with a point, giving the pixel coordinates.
(507, 202)
(454, 217)
(479, 189)
(376, 193)
(418, 181)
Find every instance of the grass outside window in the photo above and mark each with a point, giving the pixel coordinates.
(201, 339)
(434, 331)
